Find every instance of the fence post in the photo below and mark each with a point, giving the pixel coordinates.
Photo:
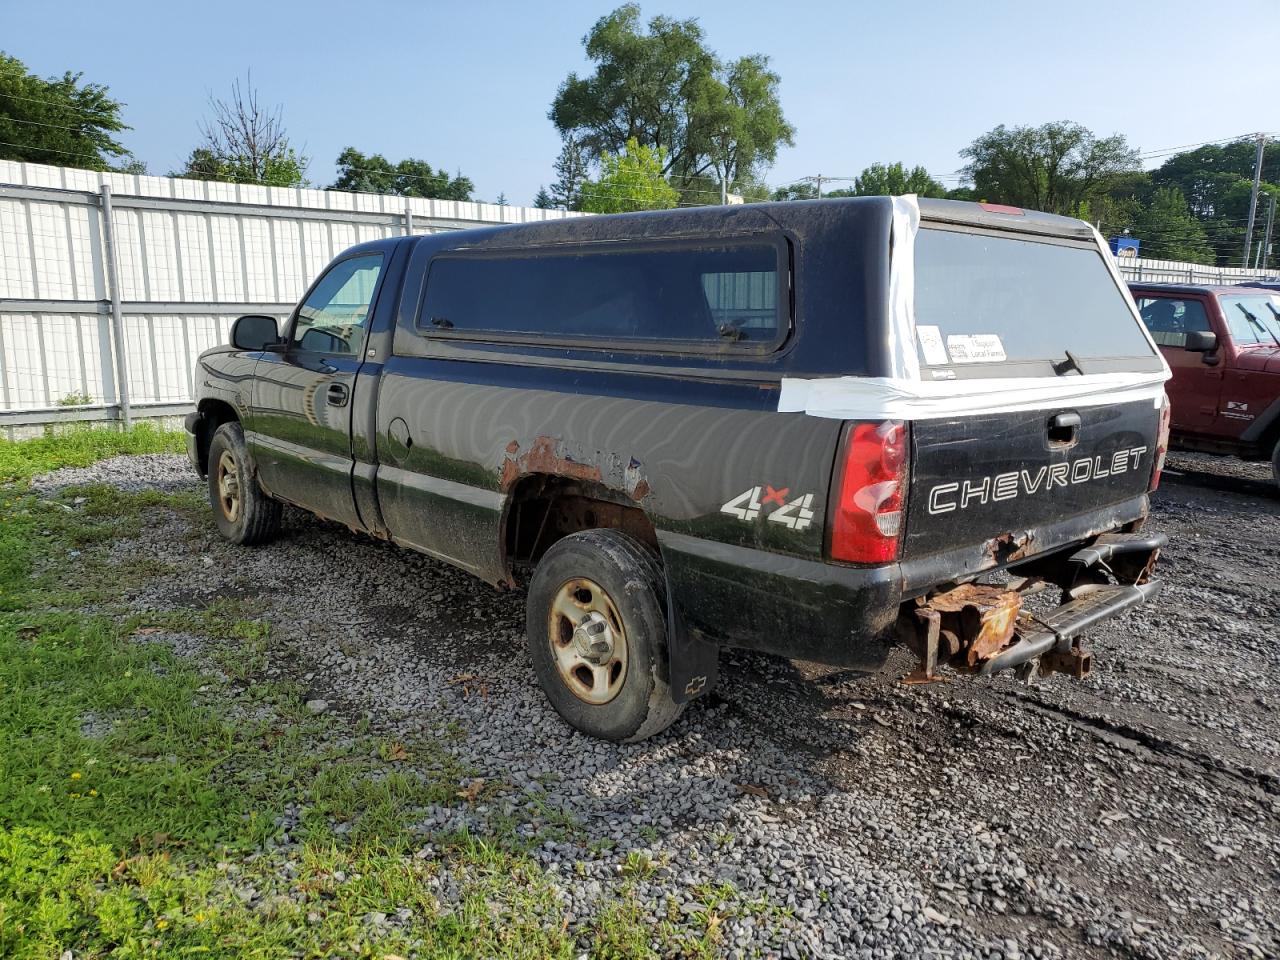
(117, 321)
(408, 221)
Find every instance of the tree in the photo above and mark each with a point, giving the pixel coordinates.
(1055, 167)
(1117, 206)
(1217, 181)
(60, 121)
(572, 168)
(1207, 174)
(1168, 230)
(245, 143)
(664, 87)
(800, 190)
(894, 180)
(543, 199)
(628, 181)
(407, 178)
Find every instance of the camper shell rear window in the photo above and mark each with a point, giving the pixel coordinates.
(996, 304)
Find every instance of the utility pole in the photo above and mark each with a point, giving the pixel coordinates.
(818, 179)
(1253, 198)
(1266, 240)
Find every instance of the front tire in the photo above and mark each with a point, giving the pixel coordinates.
(597, 632)
(243, 512)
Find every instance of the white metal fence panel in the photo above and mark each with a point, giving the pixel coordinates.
(1175, 271)
(190, 256)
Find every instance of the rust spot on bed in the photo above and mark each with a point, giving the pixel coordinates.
(543, 457)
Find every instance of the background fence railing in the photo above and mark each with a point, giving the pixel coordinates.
(1175, 271)
(111, 284)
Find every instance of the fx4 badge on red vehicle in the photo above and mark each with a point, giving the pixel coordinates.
(794, 513)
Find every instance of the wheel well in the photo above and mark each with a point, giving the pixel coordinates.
(543, 509)
(1270, 437)
(216, 413)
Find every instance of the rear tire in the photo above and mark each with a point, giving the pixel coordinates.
(597, 633)
(243, 512)
(1275, 464)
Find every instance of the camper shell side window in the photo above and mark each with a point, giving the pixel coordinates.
(685, 296)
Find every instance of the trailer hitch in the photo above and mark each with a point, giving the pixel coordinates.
(984, 628)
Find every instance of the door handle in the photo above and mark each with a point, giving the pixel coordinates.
(337, 394)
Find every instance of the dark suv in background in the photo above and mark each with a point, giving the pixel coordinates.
(1223, 345)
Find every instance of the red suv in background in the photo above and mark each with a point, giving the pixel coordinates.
(1223, 345)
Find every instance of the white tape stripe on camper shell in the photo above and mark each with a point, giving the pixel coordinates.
(902, 289)
(905, 396)
(886, 398)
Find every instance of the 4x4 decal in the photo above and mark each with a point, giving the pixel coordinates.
(795, 513)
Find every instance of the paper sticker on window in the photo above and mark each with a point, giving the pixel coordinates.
(976, 348)
(931, 345)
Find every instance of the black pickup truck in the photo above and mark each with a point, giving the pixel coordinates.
(813, 429)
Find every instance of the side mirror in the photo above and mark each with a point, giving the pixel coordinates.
(254, 332)
(1201, 341)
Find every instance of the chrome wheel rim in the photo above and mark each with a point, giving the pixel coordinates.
(588, 641)
(228, 476)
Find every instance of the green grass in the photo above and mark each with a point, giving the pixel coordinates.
(79, 446)
(140, 792)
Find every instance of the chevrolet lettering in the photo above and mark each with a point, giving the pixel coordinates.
(946, 497)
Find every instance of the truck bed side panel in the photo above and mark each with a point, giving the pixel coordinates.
(678, 450)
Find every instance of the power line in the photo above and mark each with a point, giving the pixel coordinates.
(49, 103)
(41, 123)
(1162, 151)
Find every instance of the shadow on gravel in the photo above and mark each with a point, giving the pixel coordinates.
(1246, 486)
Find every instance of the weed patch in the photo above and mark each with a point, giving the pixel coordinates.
(156, 805)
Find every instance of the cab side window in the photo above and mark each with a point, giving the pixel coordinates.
(1170, 319)
(335, 314)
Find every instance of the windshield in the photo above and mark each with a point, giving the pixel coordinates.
(1252, 318)
(985, 304)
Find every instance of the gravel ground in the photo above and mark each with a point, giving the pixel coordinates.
(1134, 814)
(1208, 467)
(148, 471)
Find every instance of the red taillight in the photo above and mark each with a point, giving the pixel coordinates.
(1162, 443)
(867, 512)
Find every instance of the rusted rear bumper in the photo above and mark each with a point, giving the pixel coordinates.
(984, 628)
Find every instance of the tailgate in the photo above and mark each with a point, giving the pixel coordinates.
(1001, 478)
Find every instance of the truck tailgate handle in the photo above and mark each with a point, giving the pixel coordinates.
(337, 394)
(1063, 427)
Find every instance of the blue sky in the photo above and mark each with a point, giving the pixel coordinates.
(467, 85)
